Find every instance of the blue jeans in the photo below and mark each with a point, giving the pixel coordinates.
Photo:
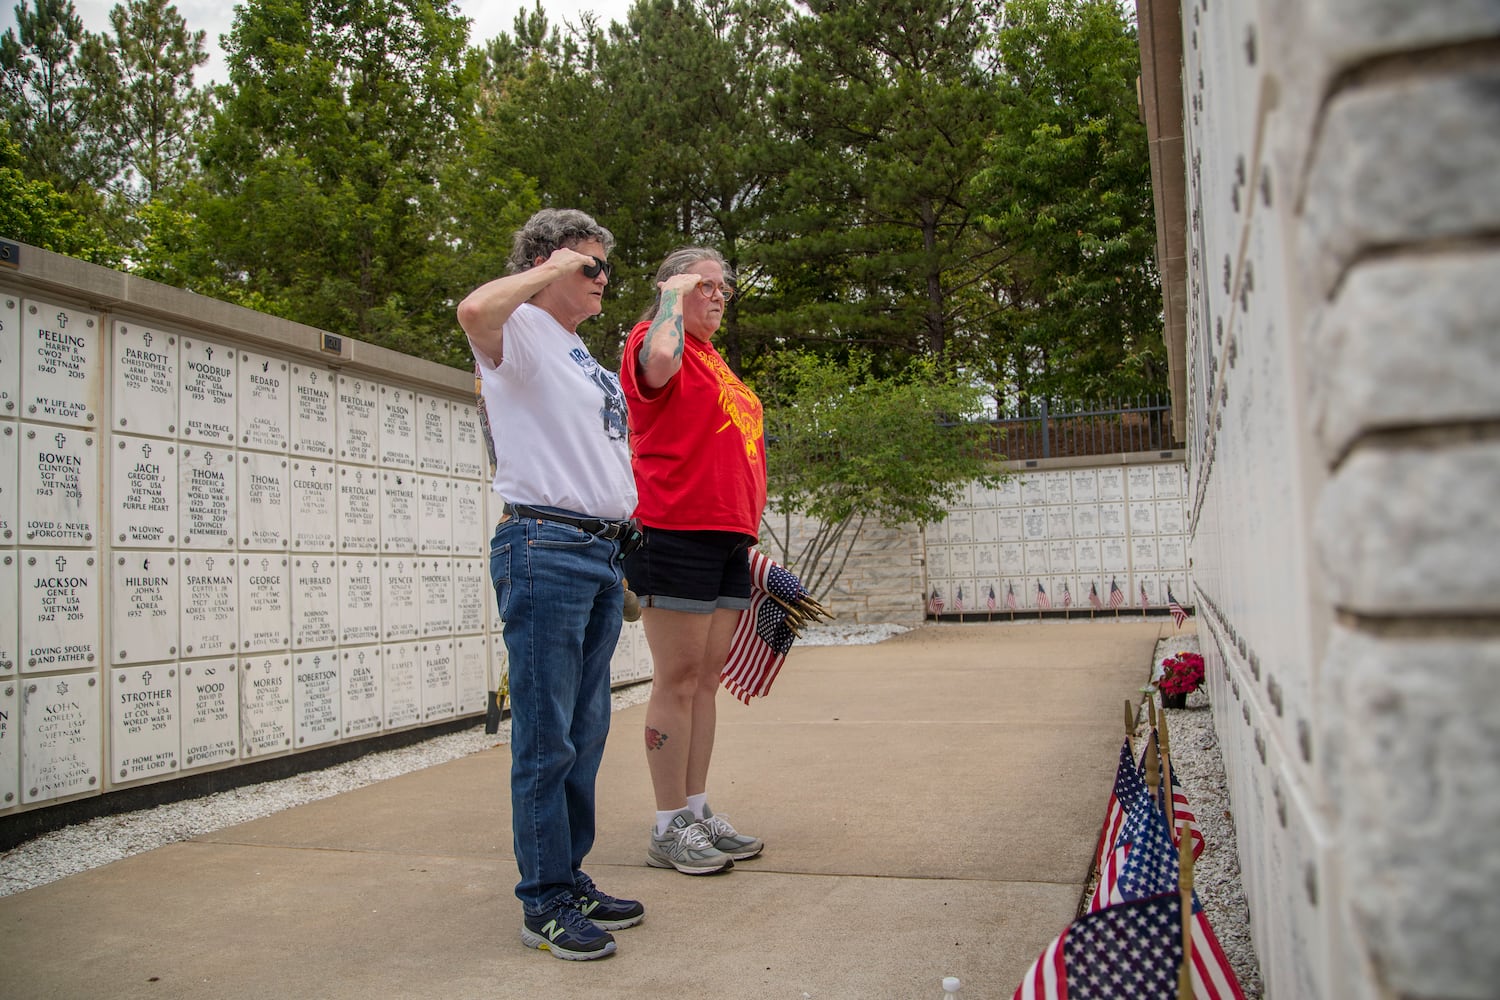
(560, 596)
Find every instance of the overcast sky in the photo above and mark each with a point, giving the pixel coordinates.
(490, 18)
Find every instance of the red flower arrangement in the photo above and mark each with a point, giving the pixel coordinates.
(1181, 674)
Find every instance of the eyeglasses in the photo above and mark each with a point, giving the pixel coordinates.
(707, 289)
(592, 270)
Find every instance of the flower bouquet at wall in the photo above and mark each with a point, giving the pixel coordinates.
(1180, 676)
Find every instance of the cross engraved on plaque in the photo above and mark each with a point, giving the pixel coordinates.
(60, 364)
(401, 685)
(398, 437)
(313, 432)
(470, 654)
(358, 418)
(210, 712)
(59, 486)
(359, 680)
(144, 729)
(206, 403)
(209, 597)
(434, 445)
(315, 603)
(314, 518)
(144, 395)
(60, 736)
(265, 705)
(439, 681)
(59, 610)
(317, 698)
(143, 492)
(207, 496)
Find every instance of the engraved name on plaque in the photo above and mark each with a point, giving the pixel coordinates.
(437, 596)
(10, 358)
(265, 618)
(209, 596)
(1012, 560)
(1143, 553)
(315, 519)
(1033, 490)
(60, 736)
(59, 485)
(1168, 480)
(398, 428)
(10, 743)
(143, 495)
(1142, 517)
(401, 685)
(1008, 493)
(206, 404)
(472, 583)
(1170, 516)
(470, 455)
(439, 681)
(1060, 556)
(59, 610)
(9, 481)
(1036, 559)
(145, 380)
(1034, 523)
(359, 683)
(265, 705)
(207, 494)
(359, 599)
(1085, 485)
(469, 536)
(60, 364)
(1058, 487)
(317, 698)
(1111, 484)
(143, 607)
(1087, 559)
(470, 653)
(264, 401)
(398, 511)
(434, 434)
(315, 601)
(435, 517)
(1060, 522)
(10, 628)
(143, 722)
(313, 434)
(1141, 480)
(1172, 552)
(401, 608)
(265, 509)
(1008, 524)
(210, 712)
(359, 510)
(1112, 519)
(358, 419)
(1086, 520)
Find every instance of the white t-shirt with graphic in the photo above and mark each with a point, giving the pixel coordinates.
(558, 421)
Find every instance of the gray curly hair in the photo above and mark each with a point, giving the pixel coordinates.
(551, 228)
(680, 261)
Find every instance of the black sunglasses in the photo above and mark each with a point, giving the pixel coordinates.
(592, 270)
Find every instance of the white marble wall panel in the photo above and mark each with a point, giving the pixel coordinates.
(10, 741)
(937, 561)
(625, 664)
(314, 432)
(360, 580)
(315, 601)
(59, 495)
(60, 610)
(265, 502)
(1114, 555)
(470, 653)
(144, 722)
(398, 511)
(264, 395)
(434, 435)
(1036, 559)
(401, 685)
(144, 383)
(398, 428)
(9, 481)
(10, 603)
(265, 603)
(1085, 486)
(986, 527)
(470, 534)
(436, 587)
(61, 738)
(210, 712)
(317, 697)
(1060, 556)
(266, 719)
(61, 364)
(1087, 557)
(1034, 524)
(1142, 515)
(1169, 480)
(143, 492)
(986, 560)
(207, 497)
(144, 607)
(10, 355)
(1171, 516)
(1058, 487)
(360, 681)
(359, 509)
(1008, 493)
(1111, 484)
(1086, 520)
(439, 680)
(961, 560)
(469, 451)
(472, 593)
(206, 406)
(1012, 559)
(1009, 525)
(1171, 552)
(1112, 519)
(401, 608)
(1060, 523)
(959, 526)
(435, 515)
(357, 416)
(314, 506)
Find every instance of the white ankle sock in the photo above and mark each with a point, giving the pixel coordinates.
(664, 819)
(698, 803)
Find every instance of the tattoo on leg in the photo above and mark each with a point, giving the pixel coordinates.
(654, 738)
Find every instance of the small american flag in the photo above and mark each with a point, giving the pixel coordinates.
(1175, 609)
(1128, 791)
(1182, 812)
(1130, 950)
(1042, 600)
(935, 602)
(767, 629)
(1145, 601)
(1094, 598)
(1010, 596)
(1067, 597)
(1116, 595)
(989, 602)
(958, 599)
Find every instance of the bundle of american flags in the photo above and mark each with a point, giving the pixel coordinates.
(779, 609)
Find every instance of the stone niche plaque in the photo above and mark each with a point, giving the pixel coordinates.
(1012, 559)
(1008, 493)
(1171, 518)
(1060, 522)
(60, 736)
(9, 480)
(398, 427)
(1171, 552)
(1142, 517)
(471, 583)
(1086, 520)
(10, 743)
(264, 614)
(359, 599)
(59, 499)
(315, 601)
(360, 675)
(59, 610)
(10, 357)
(208, 593)
(398, 511)
(469, 536)
(1058, 487)
(315, 517)
(10, 631)
(1168, 481)
(434, 435)
(314, 432)
(961, 560)
(470, 453)
(61, 364)
(144, 609)
(265, 507)
(1141, 480)
(207, 497)
(1060, 555)
(359, 510)
(1086, 557)
(1034, 524)
(143, 722)
(1111, 484)
(401, 608)
(143, 492)
(317, 698)
(1143, 553)
(1113, 557)
(265, 705)
(210, 697)
(265, 393)
(470, 657)
(1033, 489)
(1085, 485)
(1037, 562)
(435, 515)
(357, 414)
(439, 681)
(437, 596)
(144, 395)
(400, 685)
(206, 403)
(1008, 524)
(1112, 519)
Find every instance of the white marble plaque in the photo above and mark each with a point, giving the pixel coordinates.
(437, 597)
(10, 631)
(313, 424)
(265, 395)
(143, 722)
(398, 511)
(1033, 489)
(398, 427)
(59, 499)
(359, 599)
(1152, 586)
(60, 621)
(209, 595)
(210, 712)
(61, 364)
(265, 502)
(265, 618)
(145, 380)
(315, 601)
(207, 496)
(471, 582)
(1171, 552)
(401, 685)
(401, 608)
(985, 529)
(959, 526)
(60, 736)
(1086, 556)
(1142, 517)
(1008, 493)
(937, 560)
(1113, 556)
(1168, 481)
(1060, 555)
(144, 608)
(986, 560)
(1085, 485)
(1012, 559)
(143, 494)
(1008, 524)
(10, 358)
(1111, 484)
(1058, 486)
(1141, 480)
(1171, 516)
(1037, 562)
(317, 697)
(439, 681)
(1112, 519)
(1086, 520)
(961, 560)
(1059, 522)
(265, 705)
(469, 535)
(206, 404)
(470, 656)
(10, 741)
(357, 415)
(470, 457)
(359, 510)
(10, 479)
(315, 516)
(359, 681)
(1034, 524)
(434, 434)
(1143, 553)
(434, 515)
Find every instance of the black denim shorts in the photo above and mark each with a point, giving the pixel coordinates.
(693, 571)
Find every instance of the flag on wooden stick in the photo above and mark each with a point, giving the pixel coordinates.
(1175, 609)
(1130, 950)
(1094, 598)
(779, 609)
(1116, 595)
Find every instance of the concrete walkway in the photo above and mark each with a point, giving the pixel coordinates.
(930, 807)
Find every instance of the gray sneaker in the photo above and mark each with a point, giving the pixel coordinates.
(687, 847)
(727, 839)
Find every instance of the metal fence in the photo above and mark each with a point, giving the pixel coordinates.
(1062, 430)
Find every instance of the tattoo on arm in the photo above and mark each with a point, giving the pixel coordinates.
(668, 323)
(655, 738)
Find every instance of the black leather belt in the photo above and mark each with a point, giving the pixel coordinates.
(593, 525)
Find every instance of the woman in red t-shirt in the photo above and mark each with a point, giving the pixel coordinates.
(698, 452)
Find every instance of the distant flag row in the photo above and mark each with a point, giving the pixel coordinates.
(1113, 600)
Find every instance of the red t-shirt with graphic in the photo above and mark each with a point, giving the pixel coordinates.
(697, 444)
